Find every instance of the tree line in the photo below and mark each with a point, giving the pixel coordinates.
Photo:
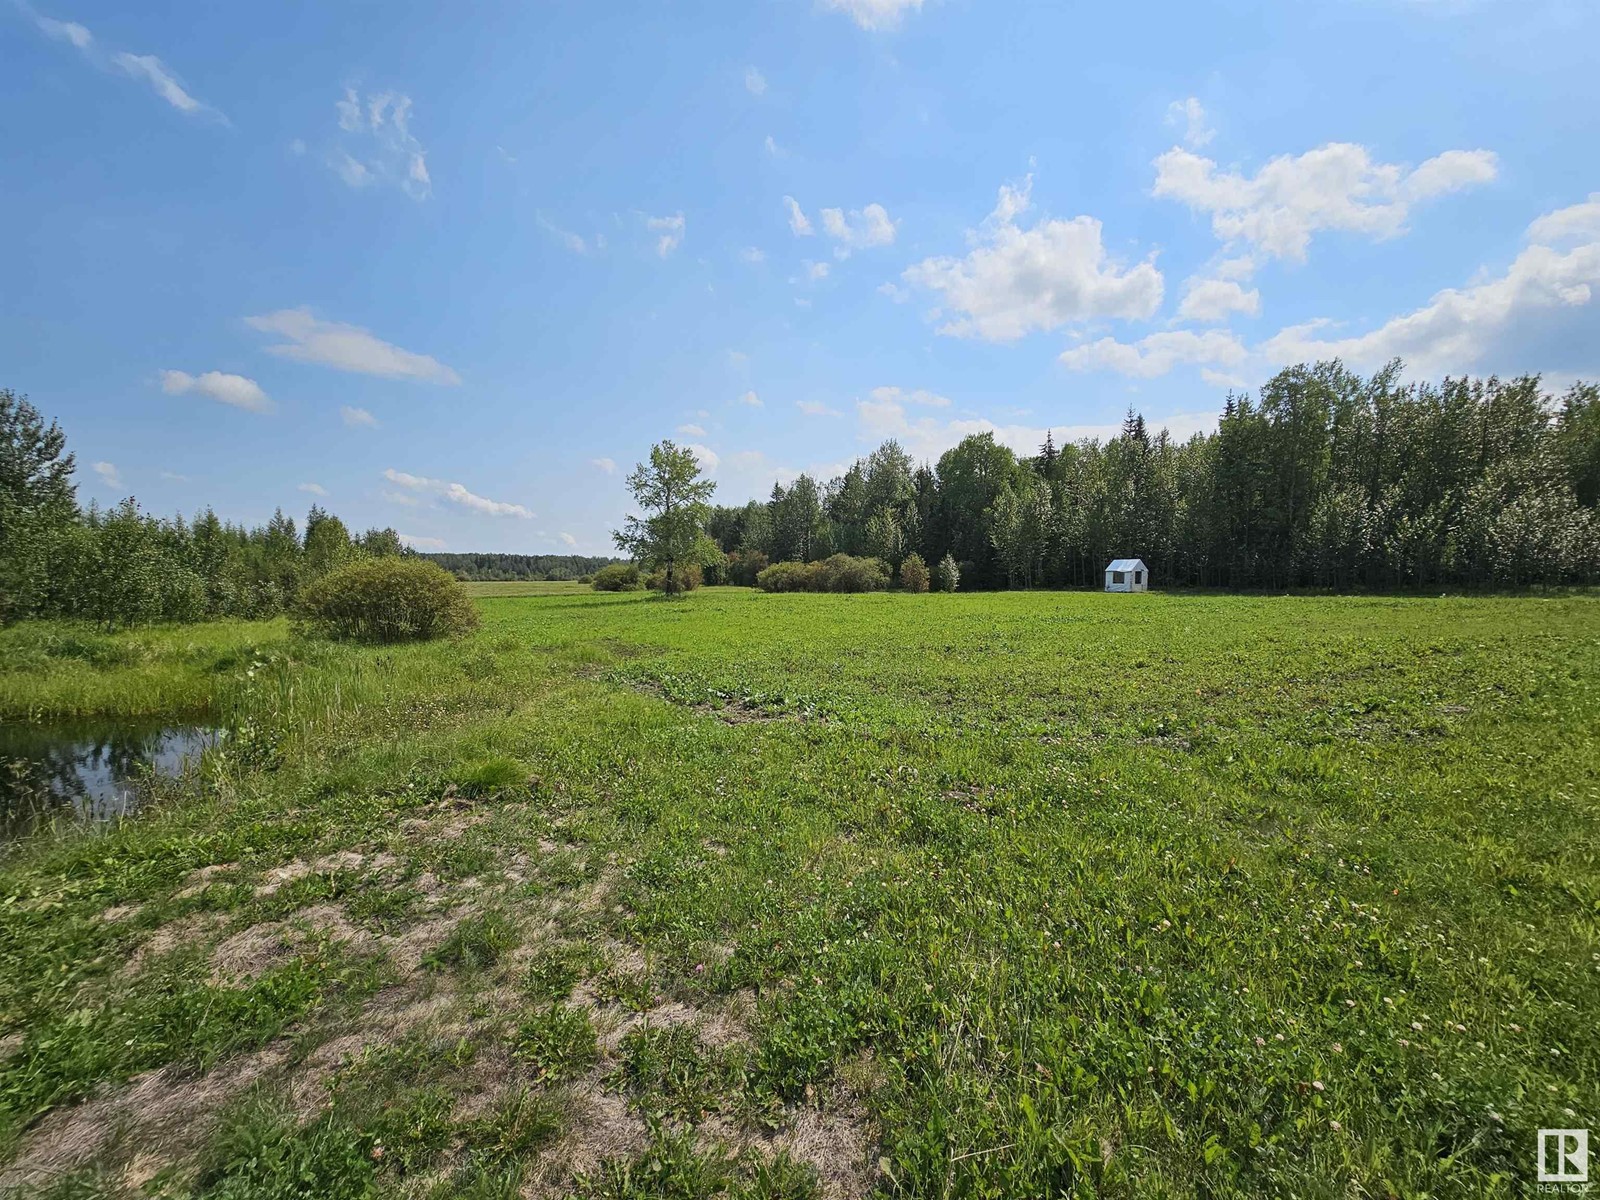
(1324, 478)
(121, 566)
(515, 567)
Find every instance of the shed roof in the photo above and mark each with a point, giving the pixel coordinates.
(1126, 564)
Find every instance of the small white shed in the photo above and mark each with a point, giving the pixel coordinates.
(1127, 575)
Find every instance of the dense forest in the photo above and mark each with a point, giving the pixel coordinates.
(121, 566)
(1324, 479)
(503, 567)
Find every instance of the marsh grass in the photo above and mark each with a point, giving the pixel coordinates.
(1158, 895)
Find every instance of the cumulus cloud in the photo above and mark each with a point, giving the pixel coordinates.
(691, 431)
(772, 147)
(753, 255)
(108, 474)
(869, 226)
(1336, 187)
(874, 15)
(750, 398)
(671, 231)
(1213, 300)
(814, 270)
(235, 390)
(357, 418)
(754, 81)
(1016, 280)
(316, 489)
(346, 348)
(1539, 314)
(1190, 117)
(1156, 354)
(455, 493)
(567, 539)
(815, 408)
(1579, 222)
(607, 465)
(422, 543)
(377, 145)
(704, 455)
(799, 223)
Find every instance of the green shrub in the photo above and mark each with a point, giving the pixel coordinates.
(947, 576)
(618, 577)
(386, 600)
(914, 574)
(685, 578)
(839, 573)
(557, 1040)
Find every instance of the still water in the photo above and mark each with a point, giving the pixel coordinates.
(89, 772)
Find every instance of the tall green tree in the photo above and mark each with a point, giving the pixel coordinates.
(671, 535)
(38, 504)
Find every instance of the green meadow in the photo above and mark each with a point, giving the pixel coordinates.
(976, 895)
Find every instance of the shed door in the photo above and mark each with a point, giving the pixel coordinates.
(1138, 577)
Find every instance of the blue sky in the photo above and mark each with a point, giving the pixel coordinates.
(454, 268)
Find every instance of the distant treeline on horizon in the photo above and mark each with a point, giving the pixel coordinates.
(501, 568)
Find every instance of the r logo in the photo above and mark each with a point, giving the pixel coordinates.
(1563, 1156)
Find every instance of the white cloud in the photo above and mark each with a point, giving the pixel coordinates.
(671, 231)
(357, 417)
(380, 144)
(874, 14)
(215, 385)
(1335, 187)
(455, 493)
(568, 539)
(65, 31)
(1213, 300)
(572, 241)
(1541, 305)
(799, 223)
(346, 348)
(815, 408)
(895, 292)
(691, 431)
(917, 396)
(422, 543)
(773, 148)
(869, 226)
(1157, 354)
(753, 255)
(108, 474)
(151, 69)
(316, 489)
(750, 398)
(1578, 222)
(754, 81)
(174, 477)
(705, 455)
(400, 498)
(609, 466)
(815, 270)
(1189, 116)
(1016, 281)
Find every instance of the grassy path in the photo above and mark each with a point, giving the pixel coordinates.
(779, 896)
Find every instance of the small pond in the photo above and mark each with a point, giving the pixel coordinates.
(94, 771)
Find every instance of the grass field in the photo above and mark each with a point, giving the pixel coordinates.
(1019, 894)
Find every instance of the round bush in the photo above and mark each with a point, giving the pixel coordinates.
(617, 577)
(914, 574)
(386, 600)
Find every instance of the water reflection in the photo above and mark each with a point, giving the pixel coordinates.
(93, 772)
